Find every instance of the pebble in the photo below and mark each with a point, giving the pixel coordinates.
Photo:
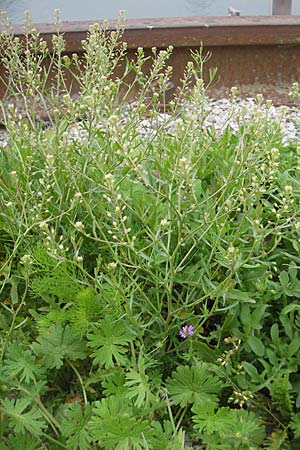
(219, 113)
(224, 113)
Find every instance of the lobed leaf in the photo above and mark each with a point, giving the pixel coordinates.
(193, 384)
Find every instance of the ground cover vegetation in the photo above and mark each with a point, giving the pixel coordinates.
(149, 278)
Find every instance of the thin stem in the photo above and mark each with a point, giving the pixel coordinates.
(55, 441)
(80, 381)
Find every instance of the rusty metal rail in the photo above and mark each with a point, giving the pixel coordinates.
(256, 54)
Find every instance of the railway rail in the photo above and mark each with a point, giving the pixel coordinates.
(256, 54)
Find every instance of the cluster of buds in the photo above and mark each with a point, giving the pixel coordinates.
(225, 358)
(241, 397)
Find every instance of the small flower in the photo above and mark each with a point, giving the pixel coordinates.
(231, 250)
(186, 331)
(109, 178)
(43, 225)
(164, 222)
(26, 260)
(79, 226)
(288, 189)
(259, 98)
(50, 158)
(234, 91)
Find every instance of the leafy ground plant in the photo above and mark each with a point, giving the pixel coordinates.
(149, 268)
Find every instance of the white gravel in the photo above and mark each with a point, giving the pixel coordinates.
(219, 114)
(225, 113)
(222, 113)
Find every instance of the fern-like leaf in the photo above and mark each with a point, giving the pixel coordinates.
(281, 395)
(295, 425)
(53, 281)
(84, 310)
(193, 384)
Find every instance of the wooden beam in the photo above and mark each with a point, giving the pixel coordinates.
(282, 7)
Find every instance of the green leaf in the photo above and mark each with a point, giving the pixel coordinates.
(258, 315)
(288, 324)
(290, 308)
(14, 281)
(21, 442)
(137, 383)
(75, 427)
(193, 384)
(22, 418)
(59, 344)
(245, 315)
(115, 426)
(110, 342)
(138, 387)
(84, 310)
(276, 440)
(281, 393)
(274, 332)
(284, 279)
(114, 383)
(234, 428)
(293, 347)
(161, 435)
(256, 345)
(295, 425)
(206, 419)
(236, 294)
(53, 281)
(206, 353)
(20, 362)
(252, 371)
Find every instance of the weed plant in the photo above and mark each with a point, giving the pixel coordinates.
(149, 276)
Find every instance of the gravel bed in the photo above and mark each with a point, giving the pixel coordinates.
(219, 114)
(222, 113)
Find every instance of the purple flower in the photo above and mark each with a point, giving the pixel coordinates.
(186, 331)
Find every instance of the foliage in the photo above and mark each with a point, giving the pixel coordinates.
(193, 385)
(149, 264)
(228, 428)
(58, 344)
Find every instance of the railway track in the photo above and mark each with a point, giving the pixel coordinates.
(256, 54)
